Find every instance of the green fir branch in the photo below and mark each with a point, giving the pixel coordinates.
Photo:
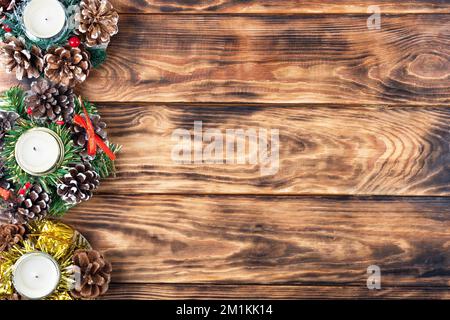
(13, 100)
(90, 107)
(59, 207)
(103, 165)
(98, 56)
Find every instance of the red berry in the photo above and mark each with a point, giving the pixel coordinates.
(6, 28)
(59, 122)
(27, 185)
(22, 192)
(29, 110)
(74, 42)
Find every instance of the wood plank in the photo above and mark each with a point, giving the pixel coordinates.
(279, 59)
(270, 240)
(323, 150)
(144, 291)
(276, 6)
(275, 58)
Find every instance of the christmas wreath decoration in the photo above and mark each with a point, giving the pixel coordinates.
(58, 39)
(53, 151)
(49, 260)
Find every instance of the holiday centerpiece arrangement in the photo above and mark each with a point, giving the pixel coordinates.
(53, 146)
(53, 151)
(60, 40)
(49, 260)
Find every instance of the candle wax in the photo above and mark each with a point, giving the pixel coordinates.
(44, 18)
(36, 275)
(37, 151)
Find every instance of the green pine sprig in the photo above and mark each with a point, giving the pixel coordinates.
(13, 100)
(103, 165)
(59, 207)
(90, 107)
(98, 56)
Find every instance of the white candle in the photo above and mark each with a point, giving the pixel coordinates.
(38, 151)
(36, 275)
(44, 18)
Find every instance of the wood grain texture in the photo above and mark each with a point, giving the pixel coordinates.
(277, 6)
(144, 291)
(323, 150)
(270, 240)
(276, 59)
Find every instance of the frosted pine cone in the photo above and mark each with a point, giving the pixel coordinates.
(33, 205)
(16, 57)
(66, 65)
(50, 101)
(78, 184)
(98, 22)
(7, 120)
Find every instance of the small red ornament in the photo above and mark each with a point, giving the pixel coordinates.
(6, 28)
(22, 192)
(27, 185)
(29, 110)
(59, 122)
(74, 41)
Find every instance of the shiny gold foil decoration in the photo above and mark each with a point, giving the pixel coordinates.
(54, 238)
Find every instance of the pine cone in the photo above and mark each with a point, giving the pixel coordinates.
(7, 120)
(4, 183)
(15, 56)
(10, 235)
(98, 21)
(78, 184)
(33, 205)
(7, 5)
(66, 65)
(95, 274)
(50, 101)
(80, 137)
(13, 296)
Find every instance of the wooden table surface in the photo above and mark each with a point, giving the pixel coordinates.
(364, 175)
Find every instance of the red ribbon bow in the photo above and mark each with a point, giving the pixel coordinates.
(93, 139)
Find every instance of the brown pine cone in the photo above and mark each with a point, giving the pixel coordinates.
(7, 120)
(98, 22)
(7, 5)
(50, 101)
(95, 274)
(10, 235)
(66, 65)
(15, 56)
(80, 137)
(78, 184)
(33, 205)
(13, 296)
(4, 183)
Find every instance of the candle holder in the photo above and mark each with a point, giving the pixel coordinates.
(29, 19)
(40, 270)
(49, 36)
(51, 261)
(29, 165)
(50, 162)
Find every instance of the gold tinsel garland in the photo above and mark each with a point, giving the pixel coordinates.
(51, 237)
